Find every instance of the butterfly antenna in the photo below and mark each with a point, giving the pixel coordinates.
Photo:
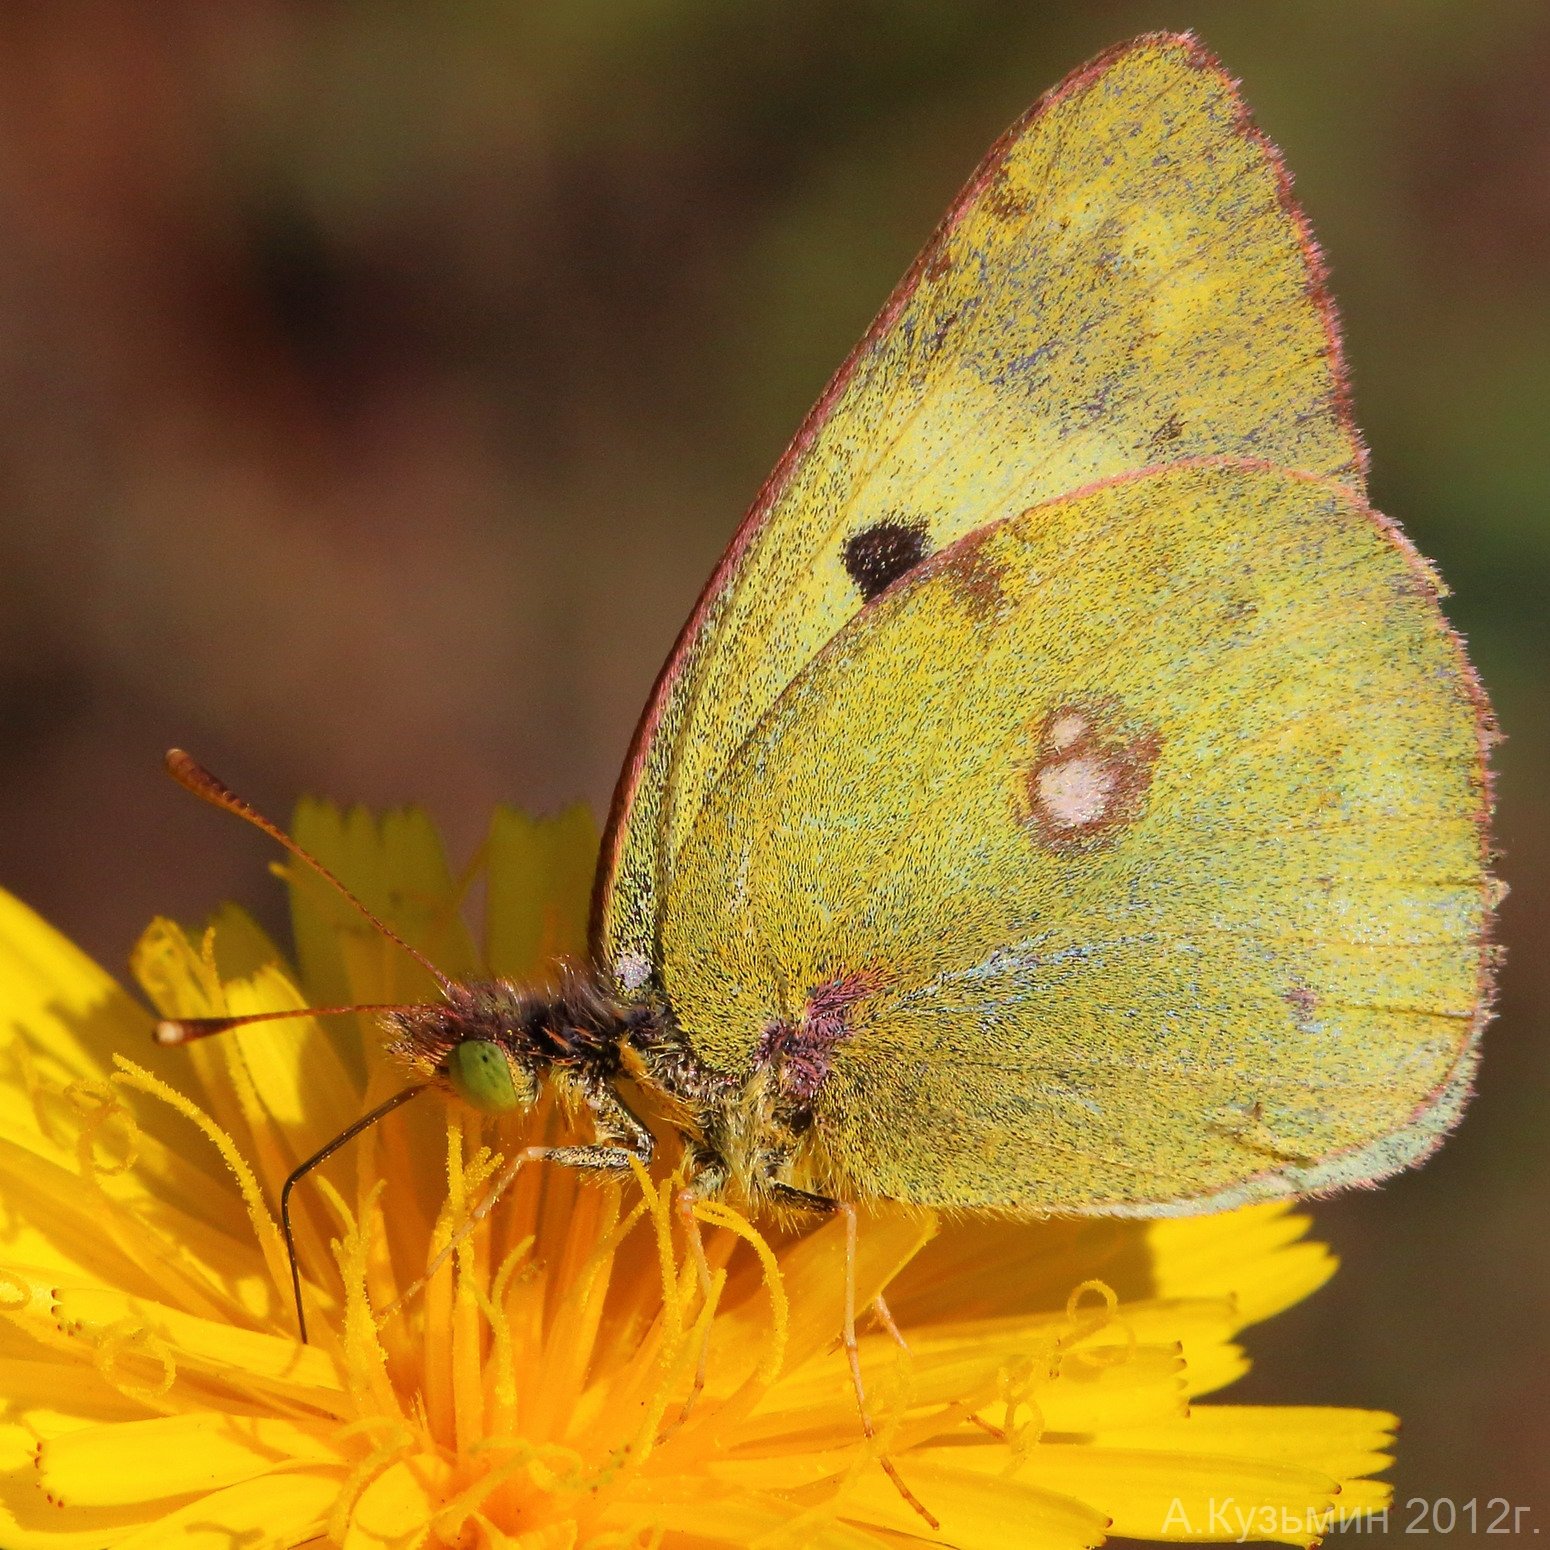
(183, 1030)
(193, 776)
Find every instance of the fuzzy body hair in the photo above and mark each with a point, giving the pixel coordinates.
(581, 1041)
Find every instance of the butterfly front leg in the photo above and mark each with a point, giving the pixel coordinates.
(788, 1195)
(709, 1173)
(776, 1158)
(621, 1135)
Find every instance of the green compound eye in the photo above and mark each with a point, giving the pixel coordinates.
(483, 1075)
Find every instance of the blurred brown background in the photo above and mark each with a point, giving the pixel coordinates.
(378, 383)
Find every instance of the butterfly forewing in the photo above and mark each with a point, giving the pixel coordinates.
(1125, 282)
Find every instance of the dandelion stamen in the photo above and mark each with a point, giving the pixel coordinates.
(696, 1244)
(502, 1347)
(264, 1229)
(728, 1220)
(130, 1339)
(360, 1478)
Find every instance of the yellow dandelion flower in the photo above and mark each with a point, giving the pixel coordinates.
(541, 1391)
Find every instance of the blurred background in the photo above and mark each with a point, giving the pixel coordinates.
(379, 382)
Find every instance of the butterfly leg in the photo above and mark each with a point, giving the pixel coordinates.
(789, 1195)
(805, 1200)
(853, 1356)
(618, 1128)
(795, 1199)
(884, 1316)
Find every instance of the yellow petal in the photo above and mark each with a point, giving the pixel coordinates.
(1211, 1367)
(294, 1068)
(1252, 1255)
(975, 1509)
(814, 1273)
(143, 1461)
(539, 890)
(1337, 1442)
(58, 1224)
(48, 1397)
(271, 1364)
(285, 1507)
(555, 1536)
(281, 1085)
(987, 1268)
(73, 1013)
(706, 1515)
(396, 866)
(1169, 1495)
(30, 1521)
(395, 1510)
(68, 1019)
(1360, 1497)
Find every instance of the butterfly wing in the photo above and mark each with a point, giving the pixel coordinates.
(1124, 282)
(1127, 856)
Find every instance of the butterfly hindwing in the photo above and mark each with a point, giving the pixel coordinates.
(1128, 853)
(1124, 282)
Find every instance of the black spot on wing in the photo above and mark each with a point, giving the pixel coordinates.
(877, 556)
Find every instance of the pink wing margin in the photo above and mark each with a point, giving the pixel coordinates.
(1197, 56)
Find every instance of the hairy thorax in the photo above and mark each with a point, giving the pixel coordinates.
(741, 1131)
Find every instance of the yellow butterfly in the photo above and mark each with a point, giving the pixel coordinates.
(1067, 796)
